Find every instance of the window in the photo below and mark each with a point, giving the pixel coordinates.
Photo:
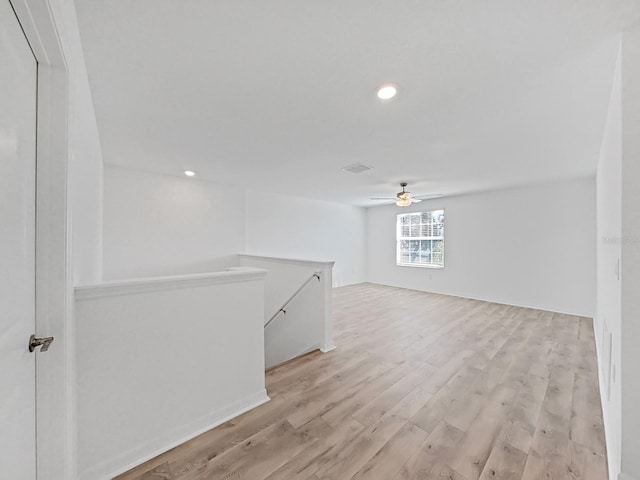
(420, 239)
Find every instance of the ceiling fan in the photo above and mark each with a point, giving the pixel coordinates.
(404, 198)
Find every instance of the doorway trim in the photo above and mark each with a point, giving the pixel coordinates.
(55, 370)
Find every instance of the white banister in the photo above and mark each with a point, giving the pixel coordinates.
(160, 360)
(154, 284)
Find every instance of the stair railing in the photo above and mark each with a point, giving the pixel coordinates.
(284, 306)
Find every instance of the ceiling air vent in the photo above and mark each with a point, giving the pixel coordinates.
(356, 168)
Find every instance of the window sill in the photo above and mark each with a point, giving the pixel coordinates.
(437, 267)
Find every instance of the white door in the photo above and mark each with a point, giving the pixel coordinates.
(18, 74)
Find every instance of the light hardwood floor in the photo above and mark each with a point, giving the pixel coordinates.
(421, 386)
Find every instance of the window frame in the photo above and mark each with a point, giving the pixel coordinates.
(400, 238)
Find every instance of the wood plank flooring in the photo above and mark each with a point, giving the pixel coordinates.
(421, 386)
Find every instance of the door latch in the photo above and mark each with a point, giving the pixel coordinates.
(44, 343)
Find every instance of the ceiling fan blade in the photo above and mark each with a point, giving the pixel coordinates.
(425, 197)
(405, 198)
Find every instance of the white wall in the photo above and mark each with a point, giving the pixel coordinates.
(85, 154)
(159, 225)
(618, 233)
(162, 360)
(163, 225)
(630, 258)
(607, 322)
(292, 227)
(531, 246)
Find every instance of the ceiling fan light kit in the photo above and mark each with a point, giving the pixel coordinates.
(404, 198)
(403, 202)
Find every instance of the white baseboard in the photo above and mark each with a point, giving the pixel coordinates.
(128, 460)
(502, 301)
(324, 348)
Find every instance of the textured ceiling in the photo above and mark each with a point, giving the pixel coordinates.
(279, 95)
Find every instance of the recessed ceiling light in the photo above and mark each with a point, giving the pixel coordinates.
(189, 173)
(387, 92)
